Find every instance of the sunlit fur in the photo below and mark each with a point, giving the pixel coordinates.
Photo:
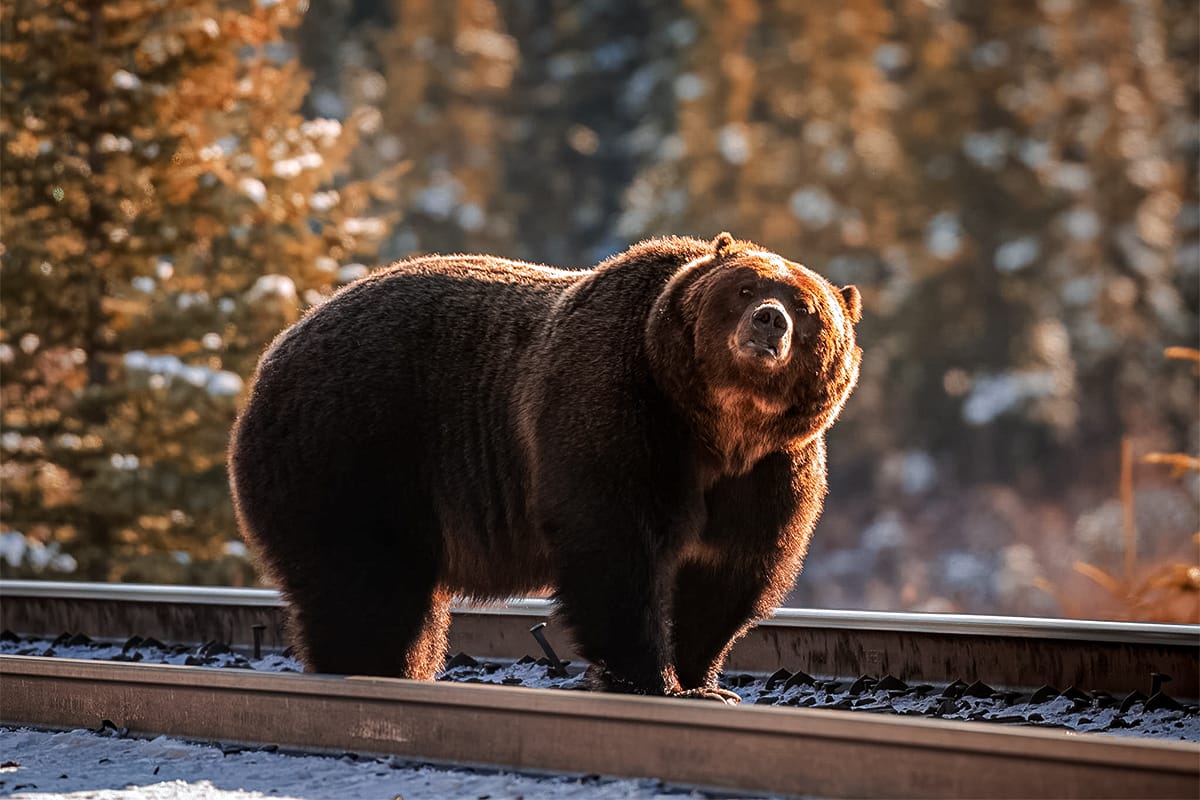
(482, 427)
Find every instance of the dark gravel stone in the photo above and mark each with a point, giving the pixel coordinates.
(800, 678)
(740, 680)
(890, 683)
(1160, 700)
(1130, 699)
(777, 677)
(954, 690)
(153, 643)
(461, 660)
(79, 640)
(527, 660)
(1075, 693)
(948, 705)
(131, 642)
(766, 699)
(863, 684)
(8, 636)
(1044, 694)
(214, 648)
(979, 689)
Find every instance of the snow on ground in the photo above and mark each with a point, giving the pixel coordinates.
(79, 765)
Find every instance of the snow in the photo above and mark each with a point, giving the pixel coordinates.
(441, 197)
(892, 56)
(813, 206)
(943, 235)
(1017, 254)
(17, 549)
(272, 286)
(734, 144)
(988, 149)
(123, 79)
(689, 86)
(224, 384)
(254, 189)
(84, 764)
(352, 272)
(993, 395)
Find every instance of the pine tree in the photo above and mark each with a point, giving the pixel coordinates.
(167, 211)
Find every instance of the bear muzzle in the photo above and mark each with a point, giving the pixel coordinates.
(766, 333)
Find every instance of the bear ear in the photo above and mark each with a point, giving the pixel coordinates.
(722, 243)
(853, 301)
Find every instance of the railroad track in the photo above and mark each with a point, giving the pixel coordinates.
(781, 750)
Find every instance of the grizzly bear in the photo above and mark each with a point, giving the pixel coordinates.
(645, 439)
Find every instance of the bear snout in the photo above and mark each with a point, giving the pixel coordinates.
(770, 332)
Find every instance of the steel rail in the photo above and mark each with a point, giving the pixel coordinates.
(1008, 651)
(909, 622)
(800, 752)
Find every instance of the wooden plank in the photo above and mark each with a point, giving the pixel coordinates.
(802, 752)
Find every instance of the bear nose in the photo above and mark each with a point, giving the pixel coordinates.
(771, 320)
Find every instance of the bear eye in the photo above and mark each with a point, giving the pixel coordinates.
(745, 291)
(804, 308)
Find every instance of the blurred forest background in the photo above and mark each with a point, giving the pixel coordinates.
(1012, 185)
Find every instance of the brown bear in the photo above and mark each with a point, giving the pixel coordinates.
(645, 438)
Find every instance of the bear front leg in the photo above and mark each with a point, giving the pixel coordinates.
(612, 603)
(714, 606)
(746, 560)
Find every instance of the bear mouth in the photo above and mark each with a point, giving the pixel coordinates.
(771, 352)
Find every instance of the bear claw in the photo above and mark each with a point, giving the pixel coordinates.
(710, 693)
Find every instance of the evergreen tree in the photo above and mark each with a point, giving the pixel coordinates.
(167, 211)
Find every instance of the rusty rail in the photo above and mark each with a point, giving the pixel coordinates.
(801, 752)
(1001, 651)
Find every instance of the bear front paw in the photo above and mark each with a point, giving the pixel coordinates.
(710, 693)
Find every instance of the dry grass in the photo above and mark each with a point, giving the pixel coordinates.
(1162, 591)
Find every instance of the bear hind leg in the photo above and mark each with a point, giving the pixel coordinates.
(401, 634)
(371, 604)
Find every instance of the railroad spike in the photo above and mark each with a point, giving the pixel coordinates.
(258, 629)
(556, 663)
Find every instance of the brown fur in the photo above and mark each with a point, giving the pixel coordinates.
(646, 438)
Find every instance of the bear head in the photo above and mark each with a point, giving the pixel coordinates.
(757, 351)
